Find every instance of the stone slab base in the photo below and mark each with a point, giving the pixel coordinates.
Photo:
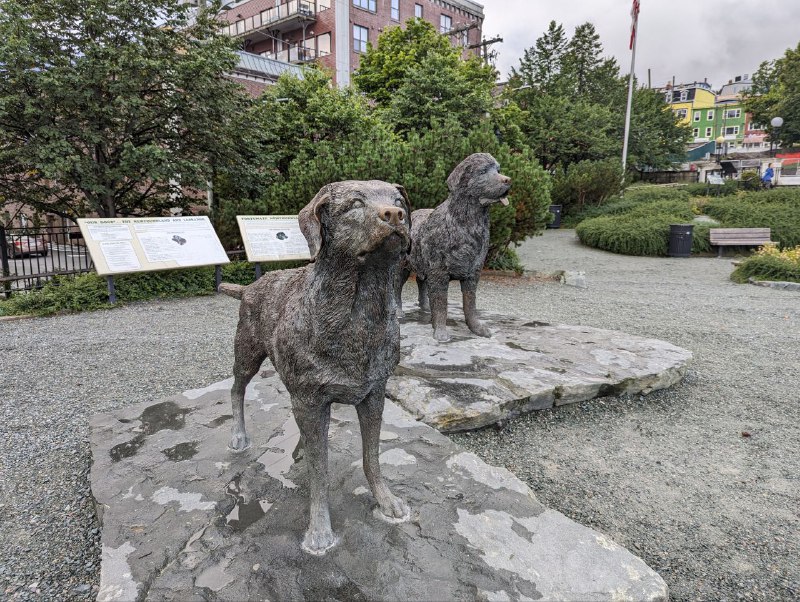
(470, 382)
(185, 519)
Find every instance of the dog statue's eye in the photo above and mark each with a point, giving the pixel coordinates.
(398, 202)
(357, 204)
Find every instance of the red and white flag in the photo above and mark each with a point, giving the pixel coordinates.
(634, 21)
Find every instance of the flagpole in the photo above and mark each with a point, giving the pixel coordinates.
(635, 39)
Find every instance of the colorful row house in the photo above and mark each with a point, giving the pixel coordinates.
(711, 115)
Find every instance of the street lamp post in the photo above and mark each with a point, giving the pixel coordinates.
(720, 140)
(777, 124)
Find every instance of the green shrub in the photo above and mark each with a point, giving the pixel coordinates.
(89, 291)
(506, 260)
(766, 267)
(777, 209)
(587, 183)
(730, 187)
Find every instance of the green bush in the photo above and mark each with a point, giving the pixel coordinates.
(777, 209)
(587, 183)
(506, 260)
(89, 291)
(766, 267)
(730, 187)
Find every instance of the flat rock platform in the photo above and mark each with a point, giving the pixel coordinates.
(185, 519)
(470, 382)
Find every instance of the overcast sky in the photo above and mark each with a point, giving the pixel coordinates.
(689, 39)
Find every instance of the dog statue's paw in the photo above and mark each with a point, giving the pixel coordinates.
(441, 335)
(480, 329)
(393, 509)
(239, 442)
(400, 313)
(318, 542)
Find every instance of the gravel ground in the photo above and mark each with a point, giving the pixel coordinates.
(701, 480)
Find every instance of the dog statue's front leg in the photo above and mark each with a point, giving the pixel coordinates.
(422, 291)
(370, 412)
(313, 420)
(468, 291)
(437, 293)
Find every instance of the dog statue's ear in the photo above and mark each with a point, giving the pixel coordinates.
(406, 206)
(454, 179)
(310, 222)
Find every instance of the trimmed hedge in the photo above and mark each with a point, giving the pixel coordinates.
(89, 291)
(766, 267)
(777, 209)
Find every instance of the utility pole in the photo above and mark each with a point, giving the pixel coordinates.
(484, 46)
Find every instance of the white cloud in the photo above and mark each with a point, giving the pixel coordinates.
(688, 39)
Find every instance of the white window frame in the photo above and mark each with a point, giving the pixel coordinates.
(696, 116)
(737, 113)
(370, 5)
(359, 43)
(418, 11)
(735, 129)
(668, 97)
(709, 132)
(696, 132)
(684, 95)
(681, 113)
(395, 10)
(445, 23)
(710, 115)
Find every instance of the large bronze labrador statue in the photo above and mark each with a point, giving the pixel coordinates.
(331, 332)
(451, 241)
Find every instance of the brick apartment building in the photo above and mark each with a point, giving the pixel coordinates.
(336, 32)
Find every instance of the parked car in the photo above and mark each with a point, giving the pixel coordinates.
(26, 245)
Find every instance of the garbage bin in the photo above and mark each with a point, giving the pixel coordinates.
(556, 211)
(680, 240)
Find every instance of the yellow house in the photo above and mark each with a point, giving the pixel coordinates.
(686, 100)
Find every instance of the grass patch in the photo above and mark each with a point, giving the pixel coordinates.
(88, 292)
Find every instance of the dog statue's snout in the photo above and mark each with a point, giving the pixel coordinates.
(393, 215)
(505, 180)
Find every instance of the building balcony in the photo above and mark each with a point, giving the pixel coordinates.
(296, 55)
(286, 16)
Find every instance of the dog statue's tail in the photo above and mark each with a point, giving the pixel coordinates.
(232, 290)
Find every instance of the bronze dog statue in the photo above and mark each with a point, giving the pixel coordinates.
(331, 331)
(451, 241)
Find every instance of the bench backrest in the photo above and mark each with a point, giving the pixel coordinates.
(739, 235)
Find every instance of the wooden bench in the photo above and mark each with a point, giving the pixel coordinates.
(739, 237)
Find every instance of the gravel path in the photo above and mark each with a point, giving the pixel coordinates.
(701, 480)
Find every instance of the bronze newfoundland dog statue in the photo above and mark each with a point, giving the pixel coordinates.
(331, 331)
(451, 241)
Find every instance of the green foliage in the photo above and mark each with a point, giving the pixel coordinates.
(113, 107)
(766, 267)
(777, 209)
(776, 93)
(730, 187)
(572, 103)
(587, 183)
(506, 260)
(89, 292)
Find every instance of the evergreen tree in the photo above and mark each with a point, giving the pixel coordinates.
(776, 93)
(541, 66)
(113, 107)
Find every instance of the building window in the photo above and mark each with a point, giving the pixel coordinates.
(709, 132)
(733, 114)
(396, 10)
(684, 95)
(710, 116)
(366, 5)
(418, 11)
(324, 44)
(668, 97)
(360, 38)
(445, 23)
(732, 130)
(681, 113)
(697, 115)
(789, 169)
(756, 127)
(696, 132)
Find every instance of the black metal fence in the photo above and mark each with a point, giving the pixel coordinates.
(670, 177)
(29, 257)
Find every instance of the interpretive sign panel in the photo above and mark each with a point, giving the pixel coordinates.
(146, 244)
(272, 238)
(716, 180)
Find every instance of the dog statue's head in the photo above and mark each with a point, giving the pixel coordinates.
(359, 219)
(478, 177)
